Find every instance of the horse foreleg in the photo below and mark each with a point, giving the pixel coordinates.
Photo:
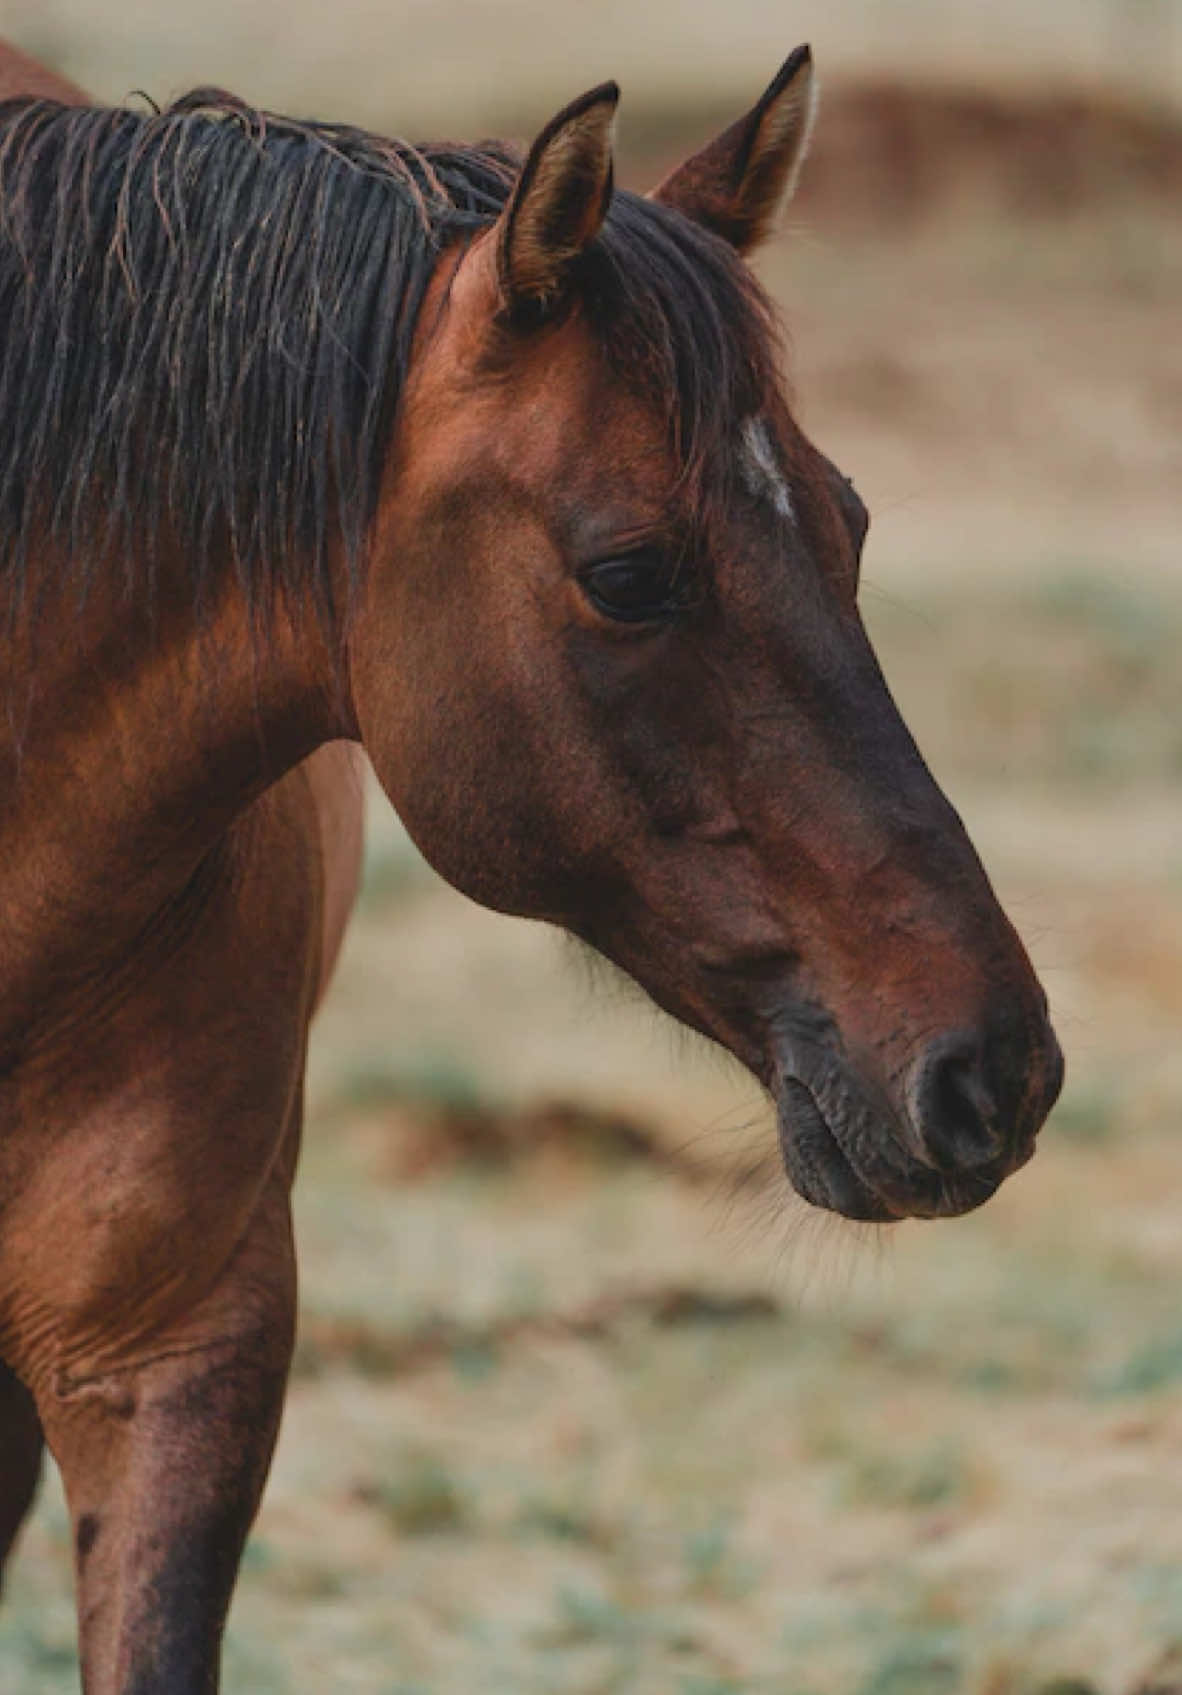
(164, 1463)
(21, 1443)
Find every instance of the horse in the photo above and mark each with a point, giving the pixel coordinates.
(313, 443)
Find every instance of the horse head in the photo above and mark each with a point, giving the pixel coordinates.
(609, 665)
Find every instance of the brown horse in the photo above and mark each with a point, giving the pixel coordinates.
(312, 440)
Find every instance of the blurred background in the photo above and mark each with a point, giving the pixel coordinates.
(584, 1400)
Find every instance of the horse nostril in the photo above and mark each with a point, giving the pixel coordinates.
(952, 1108)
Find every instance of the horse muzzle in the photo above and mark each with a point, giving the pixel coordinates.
(934, 1142)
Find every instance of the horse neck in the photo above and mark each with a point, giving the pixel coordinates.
(130, 741)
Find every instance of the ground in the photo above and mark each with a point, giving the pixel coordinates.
(585, 1401)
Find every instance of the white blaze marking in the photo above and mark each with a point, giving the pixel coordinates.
(759, 469)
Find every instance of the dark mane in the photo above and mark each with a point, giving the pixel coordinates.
(207, 316)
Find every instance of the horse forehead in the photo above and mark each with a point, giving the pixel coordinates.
(760, 469)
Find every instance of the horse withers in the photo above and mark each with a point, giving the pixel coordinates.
(310, 440)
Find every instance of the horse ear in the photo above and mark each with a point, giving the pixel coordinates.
(739, 184)
(559, 203)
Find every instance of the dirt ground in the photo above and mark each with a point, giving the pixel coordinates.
(582, 1402)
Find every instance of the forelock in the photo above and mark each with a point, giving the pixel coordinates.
(686, 324)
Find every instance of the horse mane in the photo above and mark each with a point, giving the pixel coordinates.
(208, 314)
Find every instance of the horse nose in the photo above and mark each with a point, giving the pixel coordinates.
(954, 1107)
(975, 1102)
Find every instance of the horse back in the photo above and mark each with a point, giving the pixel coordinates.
(22, 77)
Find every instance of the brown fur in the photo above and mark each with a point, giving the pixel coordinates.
(720, 796)
(20, 75)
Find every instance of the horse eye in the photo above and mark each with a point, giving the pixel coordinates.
(637, 589)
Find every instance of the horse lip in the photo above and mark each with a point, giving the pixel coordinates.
(824, 1174)
(816, 1163)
